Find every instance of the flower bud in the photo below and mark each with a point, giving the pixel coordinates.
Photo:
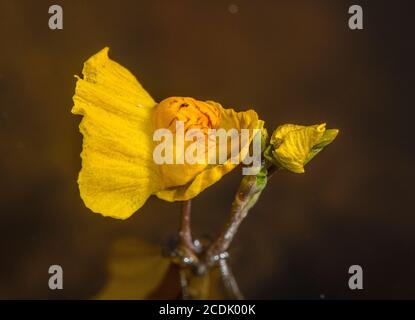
(293, 146)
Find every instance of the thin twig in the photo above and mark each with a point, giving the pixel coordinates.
(185, 231)
(229, 280)
(184, 284)
(185, 250)
(225, 238)
(248, 192)
(246, 196)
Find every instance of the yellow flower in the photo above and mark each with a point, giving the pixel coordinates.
(293, 146)
(119, 119)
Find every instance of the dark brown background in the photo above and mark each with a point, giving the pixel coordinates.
(293, 61)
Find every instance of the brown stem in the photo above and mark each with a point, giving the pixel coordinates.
(226, 236)
(185, 250)
(229, 280)
(184, 284)
(185, 231)
(248, 193)
(245, 198)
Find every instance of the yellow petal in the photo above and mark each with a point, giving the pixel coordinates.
(212, 174)
(293, 144)
(118, 173)
(327, 138)
(120, 84)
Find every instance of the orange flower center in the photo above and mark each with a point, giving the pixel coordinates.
(193, 113)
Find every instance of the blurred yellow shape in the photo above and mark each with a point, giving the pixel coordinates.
(136, 269)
